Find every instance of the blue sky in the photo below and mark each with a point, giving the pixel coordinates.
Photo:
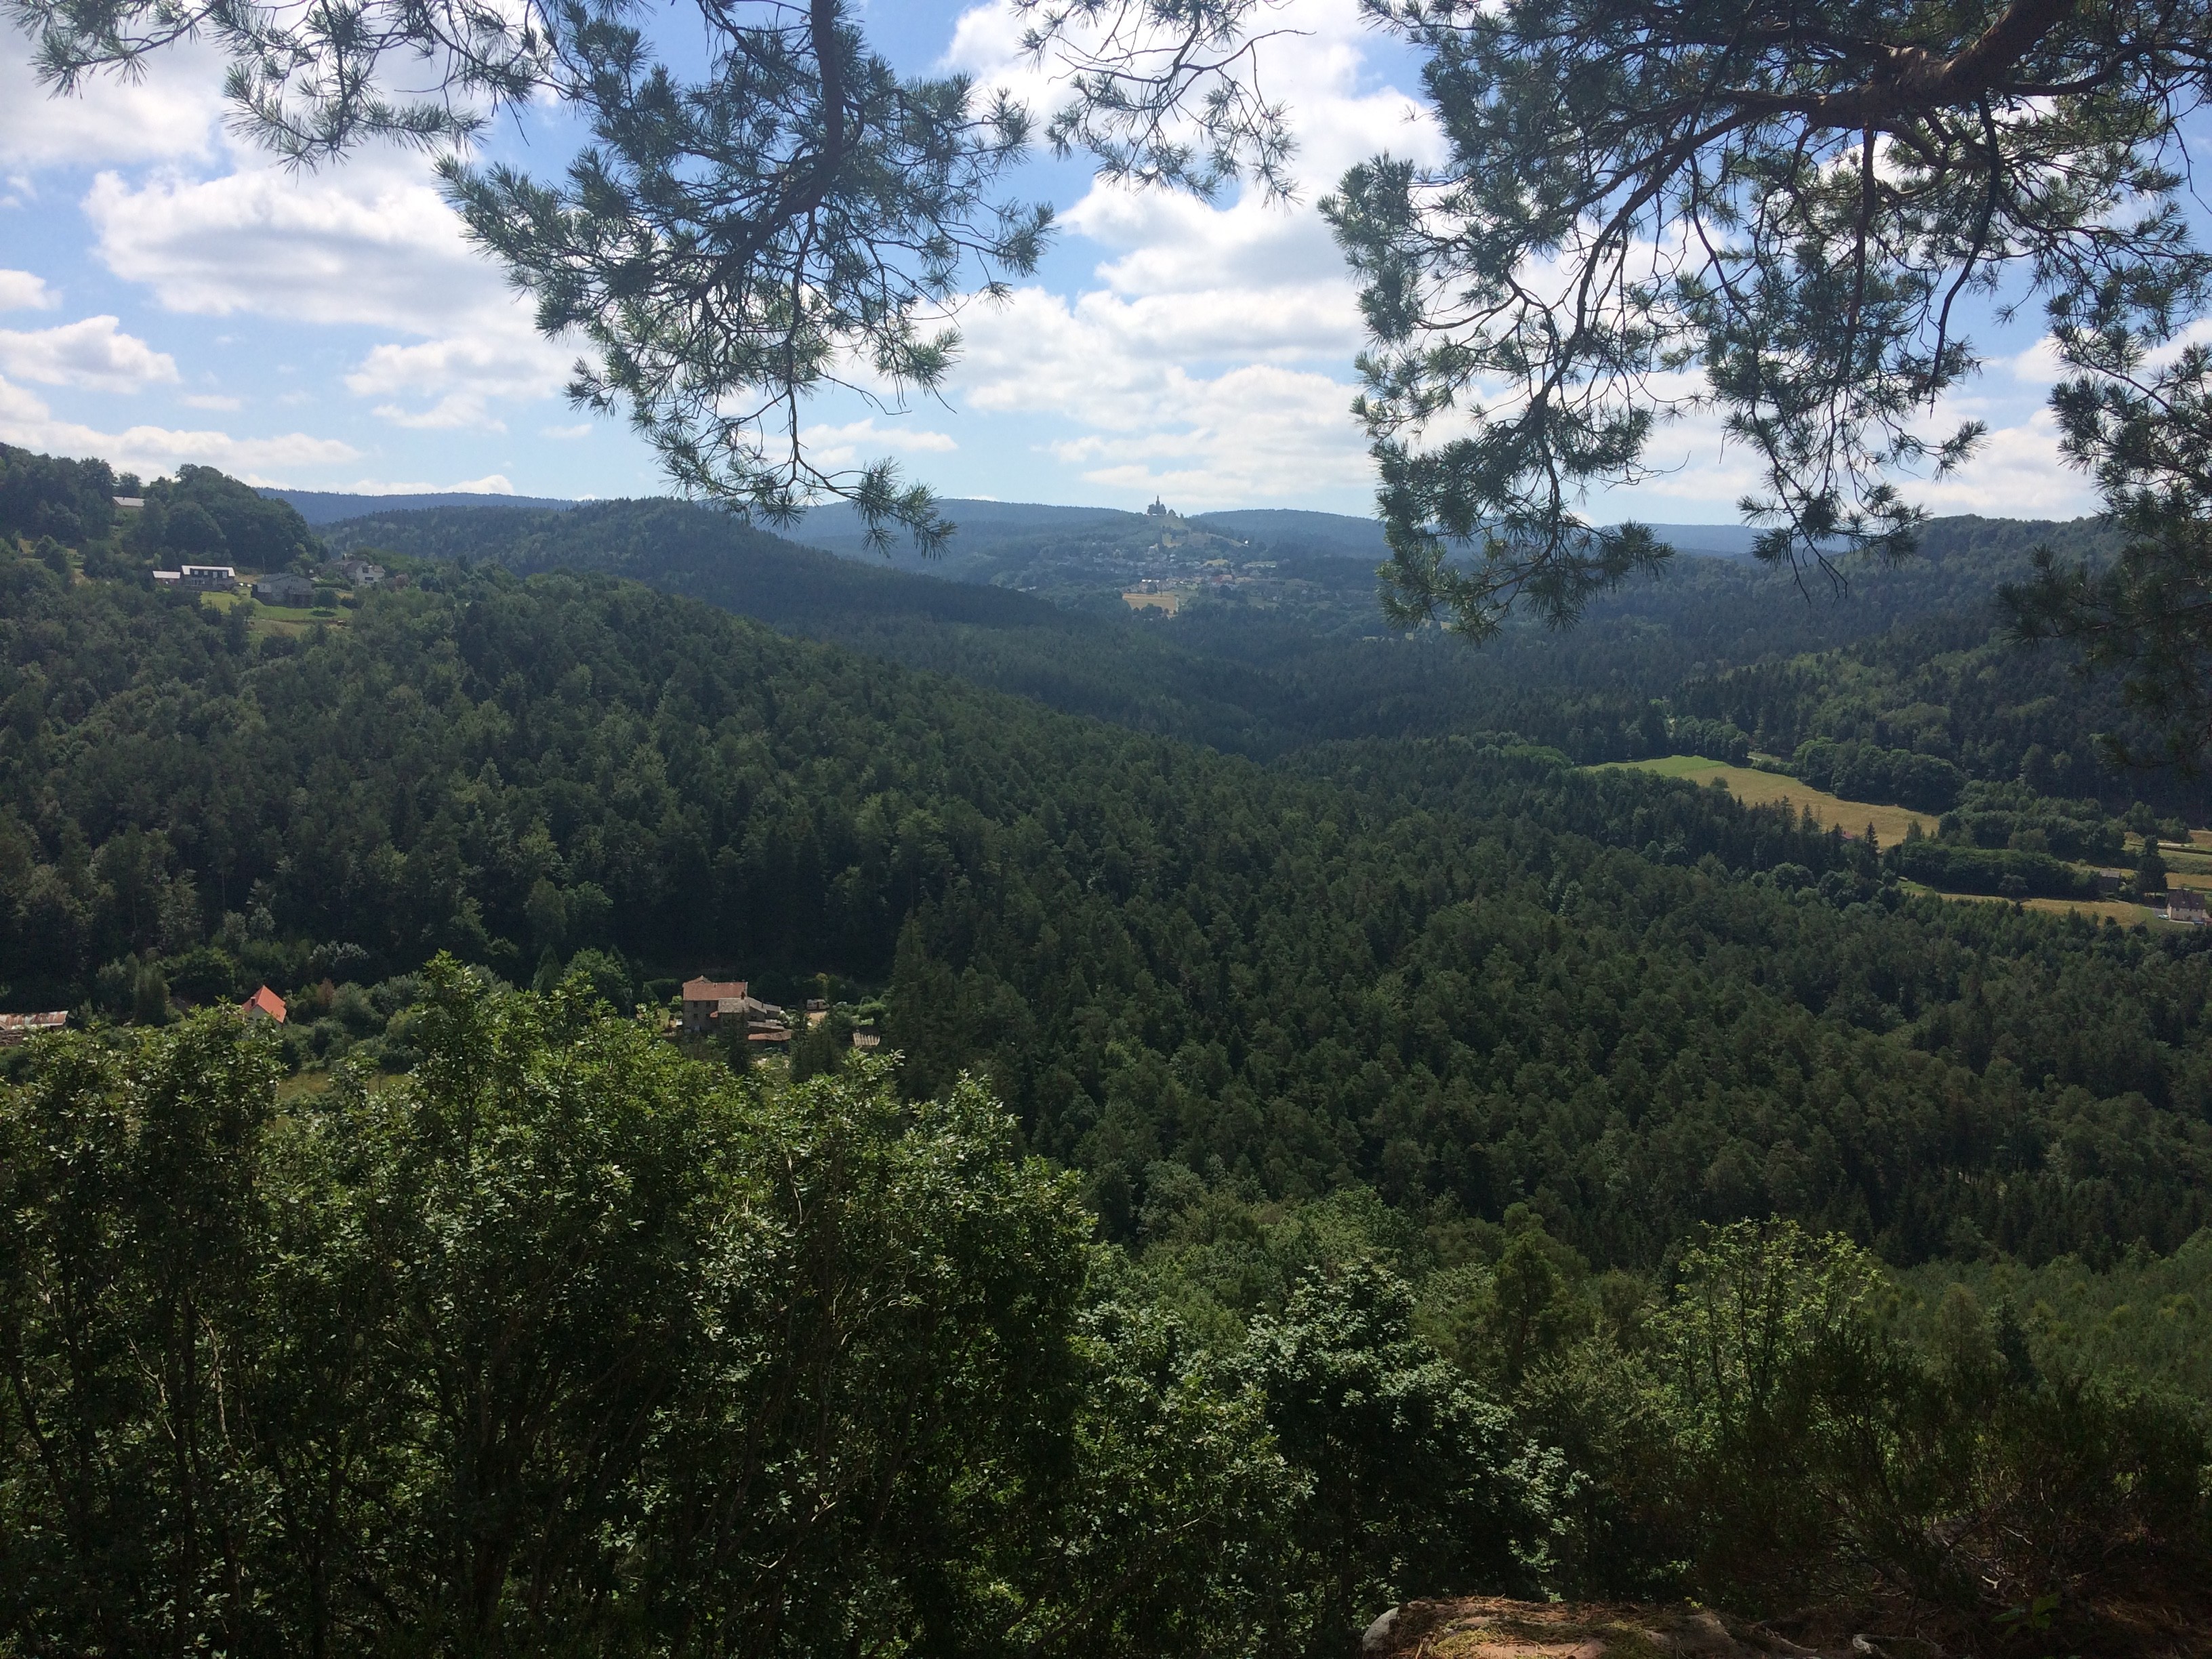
(167, 296)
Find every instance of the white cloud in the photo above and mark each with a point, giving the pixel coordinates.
(1254, 430)
(1315, 64)
(2040, 365)
(1176, 245)
(841, 445)
(581, 429)
(169, 115)
(211, 400)
(456, 411)
(515, 361)
(2017, 473)
(92, 355)
(1255, 433)
(493, 484)
(505, 358)
(25, 419)
(1239, 279)
(20, 291)
(367, 243)
(370, 244)
(1210, 357)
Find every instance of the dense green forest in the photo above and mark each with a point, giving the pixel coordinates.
(1480, 1172)
(1910, 660)
(565, 1339)
(1453, 969)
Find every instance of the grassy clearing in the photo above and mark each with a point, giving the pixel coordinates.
(2119, 910)
(1681, 766)
(329, 616)
(2122, 911)
(1170, 603)
(276, 618)
(273, 619)
(1756, 788)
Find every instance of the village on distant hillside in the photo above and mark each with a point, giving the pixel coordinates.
(720, 1008)
(707, 1010)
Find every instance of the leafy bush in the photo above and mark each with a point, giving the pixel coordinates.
(1858, 770)
(1979, 870)
(1413, 1471)
(204, 974)
(607, 974)
(567, 1339)
(1824, 1457)
(203, 513)
(1717, 741)
(47, 496)
(2011, 815)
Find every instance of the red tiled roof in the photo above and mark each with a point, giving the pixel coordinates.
(712, 990)
(265, 1001)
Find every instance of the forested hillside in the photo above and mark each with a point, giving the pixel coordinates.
(1434, 1070)
(1625, 1000)
(1711, 639)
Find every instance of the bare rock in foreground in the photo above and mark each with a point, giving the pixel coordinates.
(1487, 1627)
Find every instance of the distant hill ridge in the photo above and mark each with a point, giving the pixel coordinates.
(837, 528)
(1309, 661)
(321, 507)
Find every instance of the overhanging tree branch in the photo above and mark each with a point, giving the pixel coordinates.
(1763, 214)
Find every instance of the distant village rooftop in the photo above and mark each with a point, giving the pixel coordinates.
(14, 1027)
(263, 1004)
(712, 990)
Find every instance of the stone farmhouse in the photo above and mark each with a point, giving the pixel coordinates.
(709, 1003)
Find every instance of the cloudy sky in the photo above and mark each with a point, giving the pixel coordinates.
(166, 294)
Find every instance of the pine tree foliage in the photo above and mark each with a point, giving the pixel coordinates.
(1780, 216)
(792, 216)
(1783, 218)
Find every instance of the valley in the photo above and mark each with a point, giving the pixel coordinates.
(1332, 978)
(1105, 829)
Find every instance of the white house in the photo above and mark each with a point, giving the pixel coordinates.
(360, 573)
